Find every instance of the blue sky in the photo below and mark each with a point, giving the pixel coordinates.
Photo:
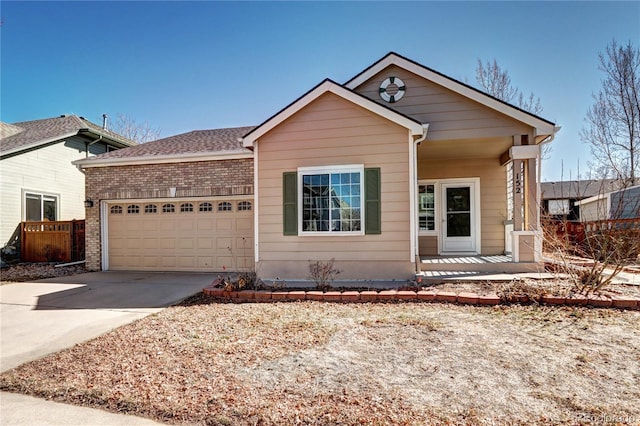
(182, 66)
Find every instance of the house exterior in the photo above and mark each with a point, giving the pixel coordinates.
(613, 205)
(38, 181)
(395, 165)
(560, 198)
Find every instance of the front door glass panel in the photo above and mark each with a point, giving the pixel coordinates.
(458, 211)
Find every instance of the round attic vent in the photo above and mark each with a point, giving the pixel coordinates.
(392, 89)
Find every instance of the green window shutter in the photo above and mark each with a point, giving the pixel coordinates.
(372, 203)
(290, 203)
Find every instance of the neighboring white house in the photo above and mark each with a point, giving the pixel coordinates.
(37, 180)
(620, 204)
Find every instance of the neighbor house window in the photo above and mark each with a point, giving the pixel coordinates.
(39, 207)
(559, 207)
(331, 199)
(427, 207)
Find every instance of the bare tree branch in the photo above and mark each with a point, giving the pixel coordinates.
(496, 82)
(613, 121)
(130, 129)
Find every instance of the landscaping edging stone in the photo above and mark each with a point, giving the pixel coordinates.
(369, 296)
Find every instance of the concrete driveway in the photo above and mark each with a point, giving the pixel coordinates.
(45, 316)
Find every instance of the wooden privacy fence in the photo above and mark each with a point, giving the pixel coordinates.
(52, 241)
(587, 236)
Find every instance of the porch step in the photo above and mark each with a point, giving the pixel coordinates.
(469, 265)
(433, 277)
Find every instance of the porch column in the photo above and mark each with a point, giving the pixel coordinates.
(532, 191)
(518, 188)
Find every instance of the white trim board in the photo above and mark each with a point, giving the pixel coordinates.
(329, 86)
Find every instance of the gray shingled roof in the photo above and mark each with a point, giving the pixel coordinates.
(194, 142)
(29, 134)
(578, 189)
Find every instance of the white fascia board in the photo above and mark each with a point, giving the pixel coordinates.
(605, 195)
(542, 127)
(591, 199)
(329, 86)
(162, 159)
(59, 138)
(524, 152)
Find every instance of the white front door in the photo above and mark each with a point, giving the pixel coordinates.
(459, 218)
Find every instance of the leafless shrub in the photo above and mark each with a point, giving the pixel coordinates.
(323, 274)
(240, 277)
(591, 260)
(518, 291)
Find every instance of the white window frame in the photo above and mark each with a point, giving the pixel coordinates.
(42, 196)
(566, 207)
(436, 204)
(350, 168)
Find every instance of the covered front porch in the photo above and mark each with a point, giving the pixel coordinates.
(478, 206)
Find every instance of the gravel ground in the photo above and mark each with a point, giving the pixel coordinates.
(325, 364)
(35, 271)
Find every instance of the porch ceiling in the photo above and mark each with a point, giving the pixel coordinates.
(463, 148)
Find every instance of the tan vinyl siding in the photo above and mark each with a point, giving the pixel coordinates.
(449, 115)
(329, 132)
(493, 199)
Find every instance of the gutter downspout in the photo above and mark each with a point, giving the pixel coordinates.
(88, 144)
(413, 193)
(86, 152)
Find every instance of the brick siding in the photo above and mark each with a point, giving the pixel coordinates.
(193, 179)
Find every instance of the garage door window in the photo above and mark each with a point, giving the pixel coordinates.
(133, 209)
(116, 209)
(224, 206)
(151, 208)
(206, 207)
(168, 208)
(186, 207)
(244, 206)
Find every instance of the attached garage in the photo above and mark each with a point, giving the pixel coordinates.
(182, 203)
(204, 234)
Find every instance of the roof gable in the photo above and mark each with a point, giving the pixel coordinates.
(29, 135)
(542, 126)
(329, 86)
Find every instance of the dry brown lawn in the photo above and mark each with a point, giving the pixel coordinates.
(322, 363)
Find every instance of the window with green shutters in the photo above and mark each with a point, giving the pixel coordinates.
(373, 203)
(340, 200)
(290, 203)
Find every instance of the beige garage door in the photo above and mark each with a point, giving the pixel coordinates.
(183, 235)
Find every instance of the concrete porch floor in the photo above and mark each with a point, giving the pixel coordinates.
(495, 268)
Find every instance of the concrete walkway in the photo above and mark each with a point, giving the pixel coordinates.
(46, 316)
